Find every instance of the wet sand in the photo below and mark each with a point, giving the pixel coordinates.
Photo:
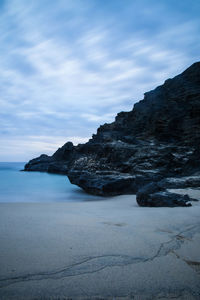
(99, 249)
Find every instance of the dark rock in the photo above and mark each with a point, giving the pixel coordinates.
(64, 153)
(163, 198)
(155, 195)
(57, 163)
(40, 163)
(103, 184)
(158, 141)
(108, 183)
(181, 182)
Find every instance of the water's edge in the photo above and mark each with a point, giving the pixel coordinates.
(17, 186)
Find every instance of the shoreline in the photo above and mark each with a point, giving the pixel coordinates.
(105, 248)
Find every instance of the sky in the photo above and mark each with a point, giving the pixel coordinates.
(67, 66)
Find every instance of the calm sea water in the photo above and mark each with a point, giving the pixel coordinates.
(16, 186)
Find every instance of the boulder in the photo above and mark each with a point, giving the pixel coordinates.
(162, 198)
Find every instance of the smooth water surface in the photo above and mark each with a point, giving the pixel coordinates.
(16, 186)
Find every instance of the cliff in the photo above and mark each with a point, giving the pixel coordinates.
(157, 140)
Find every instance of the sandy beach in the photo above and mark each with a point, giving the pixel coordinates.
(105, 249)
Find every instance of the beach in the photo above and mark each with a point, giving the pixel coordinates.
(105, 249)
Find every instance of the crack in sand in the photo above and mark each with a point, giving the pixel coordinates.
(195, 265)
(97, 263)
(87, 266)
(175, 242)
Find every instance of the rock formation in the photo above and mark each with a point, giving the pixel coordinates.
(57, 163)
(157, 141)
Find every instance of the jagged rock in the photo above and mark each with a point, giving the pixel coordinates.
(64, 153)
(40, 163)
(163, 198)
(57, 163)
(157, 141)
(154, 195)
(181, 182)
(108, 183)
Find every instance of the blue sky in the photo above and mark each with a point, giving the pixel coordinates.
(68, 66)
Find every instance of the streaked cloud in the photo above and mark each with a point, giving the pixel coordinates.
(69, 66)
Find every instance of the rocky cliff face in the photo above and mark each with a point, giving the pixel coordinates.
(158, 139)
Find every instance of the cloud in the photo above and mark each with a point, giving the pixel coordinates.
(66, 67)
(97, 118)
(36, 145)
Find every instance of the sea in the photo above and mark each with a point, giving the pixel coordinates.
(19, 186)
